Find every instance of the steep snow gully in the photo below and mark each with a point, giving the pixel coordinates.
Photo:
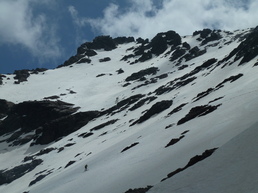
(170, 114)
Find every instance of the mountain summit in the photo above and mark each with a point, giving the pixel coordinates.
(125, 115)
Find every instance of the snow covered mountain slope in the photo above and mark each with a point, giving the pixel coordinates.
(173, 114)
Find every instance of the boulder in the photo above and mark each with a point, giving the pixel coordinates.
(21, 75)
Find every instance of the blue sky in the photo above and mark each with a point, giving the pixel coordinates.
(43, 34)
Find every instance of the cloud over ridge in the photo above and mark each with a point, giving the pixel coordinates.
(19, 25)
(145, 18)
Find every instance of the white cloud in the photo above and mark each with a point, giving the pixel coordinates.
(19, 25)
(144, 19)
(79, 24)
(74, 14)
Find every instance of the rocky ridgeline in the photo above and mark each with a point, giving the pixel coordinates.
(146, 49)
(86, 50)
(22, 75)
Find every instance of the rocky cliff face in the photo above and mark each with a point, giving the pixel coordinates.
(138, 112)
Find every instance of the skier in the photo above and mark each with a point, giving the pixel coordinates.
(86, 167)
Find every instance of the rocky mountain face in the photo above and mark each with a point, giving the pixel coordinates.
(142, 114)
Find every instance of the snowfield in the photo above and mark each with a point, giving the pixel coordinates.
(214, 104)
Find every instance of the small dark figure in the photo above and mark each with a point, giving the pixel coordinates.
(86, 167)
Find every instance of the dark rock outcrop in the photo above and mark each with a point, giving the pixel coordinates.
(193, 53)
(5, 107)
(41, 152)
(142, 73)
(102, 42)
(123, 40)
(142, 41)
(178, 53)
(106, 59)
(7, 176)
(145, 56)
(84, 50)
(160, 42)
(247, 49)
(192, 161)
(139, 190)
(155, 109)
(156, 46)
(174, 141)
(38, 178)
(203, 94)
(104, 125)
(142, 102)
(72, 60)
(1, 78)
(175, 84)
(197, 112)
(203, 33)
(206, 65)
(85, 135)
(21, 75)
(120, 71)
(84, 60)
(177, 109)
(49, 120)
(38, 70)
(230, 79)
(69, 163)
(186, 45)
(87, 49)
(30, 115)
(128, 147)
(64, 126)
(51, 97)
(122, 105)
(213, 36)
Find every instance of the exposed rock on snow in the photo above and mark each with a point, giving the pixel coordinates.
(192, 161)
(139, 190)
(7, 176)
(21, 76)
(48, 120)
(155, 109)
(128, 147)
(139, 75)
(197, 112)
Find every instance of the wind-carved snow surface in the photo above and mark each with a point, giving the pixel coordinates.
(174, 114)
